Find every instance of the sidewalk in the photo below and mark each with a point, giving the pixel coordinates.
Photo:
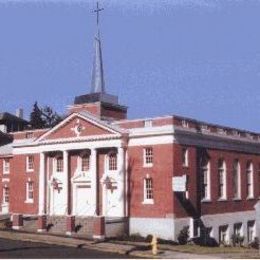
(136, 249)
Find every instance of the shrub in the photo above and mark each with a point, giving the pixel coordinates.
(237, 240)
(183, 235)
(254, 243)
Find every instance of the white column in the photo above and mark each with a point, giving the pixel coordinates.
(66, 179)
(121, 173)
(94, 188)
(42, 184)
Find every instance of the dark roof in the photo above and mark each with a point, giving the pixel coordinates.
(10, 117)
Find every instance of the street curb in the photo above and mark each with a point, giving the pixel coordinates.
(83, 243)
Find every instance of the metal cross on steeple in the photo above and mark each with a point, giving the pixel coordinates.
(97, 81)
(98, 10)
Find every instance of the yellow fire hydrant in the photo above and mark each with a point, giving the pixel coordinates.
(154, 245)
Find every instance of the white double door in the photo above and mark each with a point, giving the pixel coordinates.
(84, 200)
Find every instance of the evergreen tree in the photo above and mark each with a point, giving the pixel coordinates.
(36, 120)
(43, 117)
(50, 117)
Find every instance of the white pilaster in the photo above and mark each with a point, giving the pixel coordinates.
(93, 165)
(42, 185)
(121, 173)
(66, 177)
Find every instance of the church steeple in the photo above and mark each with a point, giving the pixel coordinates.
(103, 105)
(97, 81)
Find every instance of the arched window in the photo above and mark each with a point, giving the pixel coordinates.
(222, 183)
(205, 179)
(85, 162)
(236, 180)
(59, 164)
(112, 161)
(249, 180)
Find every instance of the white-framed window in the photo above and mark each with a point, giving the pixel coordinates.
(251, 231)
(222, 179)
(29, 135)
(148, 156)
(185, 157)
(6, 194)
(85, 162)
(6, 166)
(29, 163)
(148, 123)
(236, 180)
(29, 192)
(223, 235)
(205, 179)
(185, 123)
(59, 164)
(238, 229)
(249, 180)
(148, 191)
(112, 161)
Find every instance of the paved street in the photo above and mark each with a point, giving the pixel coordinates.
(22, 249)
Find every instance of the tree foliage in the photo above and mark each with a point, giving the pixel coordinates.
(43, 117)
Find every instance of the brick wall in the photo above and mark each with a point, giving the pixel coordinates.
(193, 206)
(161, 174)
(18, 179)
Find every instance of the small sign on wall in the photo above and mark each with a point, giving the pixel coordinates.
(179, 183)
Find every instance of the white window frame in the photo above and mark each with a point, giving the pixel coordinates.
(251, 228)
(6, 166)
(148, 190)
(238, 229)
(185, 157)
(28, 191)
(28, 169)
(250, 180)
(226, 232)
(55, 164)
(206, 168)
(238, 196)
(109, 163)
(5, 188)
(148, 123)
(81, 160)
(222, 169)
(147, 157)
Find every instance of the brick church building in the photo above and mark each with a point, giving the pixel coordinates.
(99, 174)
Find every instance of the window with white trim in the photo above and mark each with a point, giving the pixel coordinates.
(148, 190)
(185, 157)
(249, 180)
(59, 164)
(148, 123)
(85, 160)
(222, 179)
(251, 231)
(205, 179)
(238, 229)
(112, 162)
(148, 156)
(223, 235)
(236, 180)
(29, 191)
(29, 163)
(6, 166)
(6, 194)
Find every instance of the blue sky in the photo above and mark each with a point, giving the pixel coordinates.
(196, 58)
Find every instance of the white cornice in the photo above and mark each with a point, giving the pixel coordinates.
(215, 141)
